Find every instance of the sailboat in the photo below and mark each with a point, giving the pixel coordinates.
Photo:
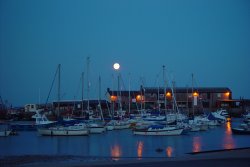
(118, 123)
(94, 126)
(73, 130)
(160, 130)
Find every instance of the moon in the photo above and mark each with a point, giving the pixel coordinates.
(116, 66)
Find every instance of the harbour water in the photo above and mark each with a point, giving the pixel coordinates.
(120, 144)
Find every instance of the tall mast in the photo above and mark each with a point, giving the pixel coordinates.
(82, 89)
(59, 88)
(141, 93)
(99, 98)
(129, 97)
(164, 85)
(158, 94)
(119, 93)
(99, 92)
(193, 93)
(113, 103)
(187, 100)
(88, 83)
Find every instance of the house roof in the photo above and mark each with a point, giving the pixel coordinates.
(185, 90)
(177, 90)
(123, 92)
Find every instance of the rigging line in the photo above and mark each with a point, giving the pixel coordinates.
(123, 84)
(157, 78)
(136, 102)
(52, 86)
(78, 87)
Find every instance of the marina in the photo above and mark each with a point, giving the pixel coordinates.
(119, 144)
(122, 83)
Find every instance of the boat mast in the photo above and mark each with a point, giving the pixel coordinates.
(141, 94)
(193, 93)
(99, 98)
(113, 103)
(119, 92)
(158, 94)
(59, 89)
(187, 100)
(88, 83)
(129, 93)
(164, 85)
(82, 90)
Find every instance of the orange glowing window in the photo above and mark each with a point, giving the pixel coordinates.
(168, 94)
(195, 94)
(139, 98)
(227, 93)
(113, 98)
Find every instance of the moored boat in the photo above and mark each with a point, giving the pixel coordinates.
(119, 124)
(159, 130)
(241, 131)
(96, 127)
(4, 133)
(75, 130)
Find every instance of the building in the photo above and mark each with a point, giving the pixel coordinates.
(75, 107)
(187, 99)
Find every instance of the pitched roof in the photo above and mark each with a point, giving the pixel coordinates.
(177, 90)
(185, 90)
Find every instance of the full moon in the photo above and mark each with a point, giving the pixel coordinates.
(116, 66)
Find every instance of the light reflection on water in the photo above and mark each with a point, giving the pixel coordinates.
(139, 149)
(119, 144)
(169, 151)
(228, 138)
(197, 144)
(116, 152)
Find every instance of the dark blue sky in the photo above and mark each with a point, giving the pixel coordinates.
(210, 38)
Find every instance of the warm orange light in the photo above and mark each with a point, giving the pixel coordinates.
(139, 149)
(195, 94)
(228, 128)
(116, 152)
(227, 93)
(169, 151)
(228, 142)
(113, 98)
(196, 144)
(168, 94)
(139, 98)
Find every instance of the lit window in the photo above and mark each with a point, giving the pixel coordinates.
(227, 93)
(168, 94)
(113, 98)
(195, 94)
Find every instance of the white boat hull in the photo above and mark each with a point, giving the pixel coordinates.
(118, 127)
(110, 127)
(171, 132)
(59, 132)
(5, 133)
(97, 129)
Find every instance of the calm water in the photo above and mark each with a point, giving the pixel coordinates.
(124, 144)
